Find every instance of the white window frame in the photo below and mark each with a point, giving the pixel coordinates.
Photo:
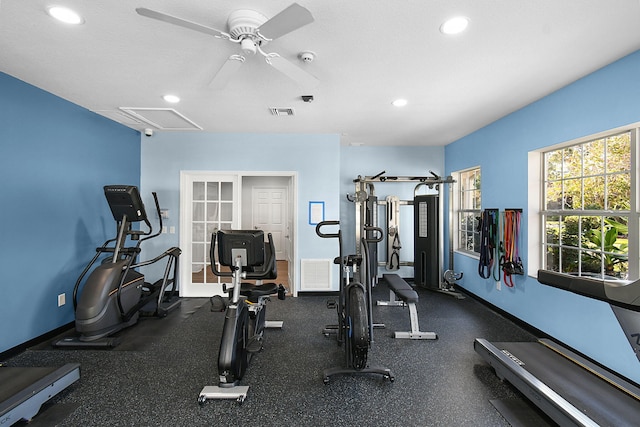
(459, 207)
(536, 212)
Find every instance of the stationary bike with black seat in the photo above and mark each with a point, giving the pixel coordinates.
(354, 306)
(245, 252)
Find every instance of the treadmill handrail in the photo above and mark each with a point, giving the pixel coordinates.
(621, 293)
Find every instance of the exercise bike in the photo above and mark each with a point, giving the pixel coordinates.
(115, 293)
(354, 306)
(245, 252)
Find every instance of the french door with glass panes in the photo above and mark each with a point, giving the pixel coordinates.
(209, 202)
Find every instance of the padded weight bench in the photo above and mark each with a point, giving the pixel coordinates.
(401, 294)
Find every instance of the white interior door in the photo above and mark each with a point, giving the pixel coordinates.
(269, 209)
(209, 202)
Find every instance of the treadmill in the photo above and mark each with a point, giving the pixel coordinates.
(570, 389)
(24, 390)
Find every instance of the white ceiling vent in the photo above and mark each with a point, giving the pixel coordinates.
(161, 118)
(281, 111)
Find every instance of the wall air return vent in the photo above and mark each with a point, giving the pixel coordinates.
(162, 118)
(315, 274)
(276, 111)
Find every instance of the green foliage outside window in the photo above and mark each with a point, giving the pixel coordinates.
(584, 185)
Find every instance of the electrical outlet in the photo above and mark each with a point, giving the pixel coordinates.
(498, 285)
(164, 229)
(172, 230)
(62, 299)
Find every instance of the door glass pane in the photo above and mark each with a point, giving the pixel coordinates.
(213, 211)
(198, 234)
(226, 212)
(198, 191)
(226, 191)
(198, 211)
(212, 191)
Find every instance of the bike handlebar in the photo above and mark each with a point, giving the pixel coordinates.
(326, 224)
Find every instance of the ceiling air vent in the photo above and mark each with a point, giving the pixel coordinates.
(281, 111)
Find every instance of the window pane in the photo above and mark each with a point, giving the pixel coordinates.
(569, 231)
(553, 165)
(619, 153)
(572, 194)
(553, 195)
(594, 193)
(619, 192)
(552, 227)
(569, 260)
(594, 157)
(553, 258)
(572, 162)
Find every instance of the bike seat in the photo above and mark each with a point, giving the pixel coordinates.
(349, 260)
(253, 292)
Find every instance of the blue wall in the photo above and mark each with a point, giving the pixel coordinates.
(604, 100)
(315, 158)
(55, 157)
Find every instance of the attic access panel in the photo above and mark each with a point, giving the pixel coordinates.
(162, 118)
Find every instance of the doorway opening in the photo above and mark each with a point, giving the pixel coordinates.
(211, 201)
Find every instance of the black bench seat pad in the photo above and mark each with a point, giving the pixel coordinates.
(401, 288)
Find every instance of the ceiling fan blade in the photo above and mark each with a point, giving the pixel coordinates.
(291, 18)
(181, 22)
(304, 79)
(228, 69)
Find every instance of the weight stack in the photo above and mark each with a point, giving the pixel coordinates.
(426, 260)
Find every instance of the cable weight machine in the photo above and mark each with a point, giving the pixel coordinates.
(428, 228)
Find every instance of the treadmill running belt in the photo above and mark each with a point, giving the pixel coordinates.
(595, 397)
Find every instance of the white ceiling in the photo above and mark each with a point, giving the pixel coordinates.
(369, 52)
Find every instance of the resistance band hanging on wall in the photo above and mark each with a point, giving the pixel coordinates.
(489, 244)
(510, 262)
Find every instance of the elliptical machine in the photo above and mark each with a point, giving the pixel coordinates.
(354, 306)
(245, 252)
(115, 293)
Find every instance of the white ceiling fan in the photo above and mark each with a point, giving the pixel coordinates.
(251, 30)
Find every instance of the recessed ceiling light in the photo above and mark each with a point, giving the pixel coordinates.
(399, 103)
(65, 15)
(173, 99)
(454, 25)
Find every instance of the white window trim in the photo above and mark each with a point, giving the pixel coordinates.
(535, 201)
(456, 211)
